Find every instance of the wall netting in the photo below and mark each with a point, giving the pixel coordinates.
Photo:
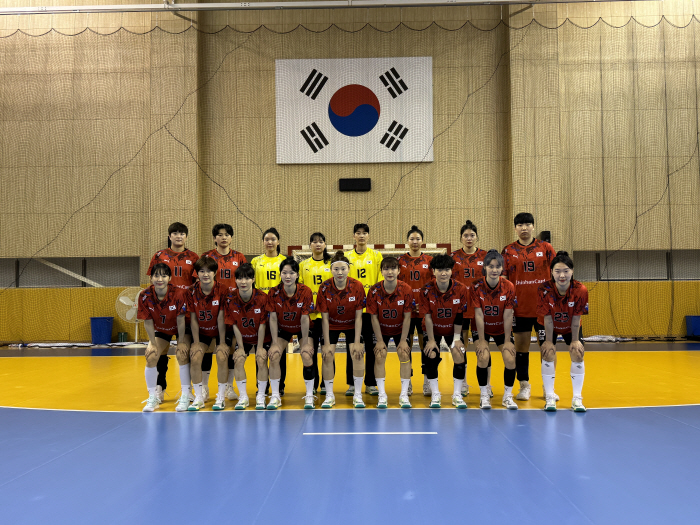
(107, 137)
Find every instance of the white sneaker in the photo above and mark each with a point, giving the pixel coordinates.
(410, 389)
(242, 404)
(550, 404)
(275, 402)
(220, 402)
(152, 403)
(458, 402)
(404, 402)
(577, 405)
(350, 391)
(260, 401)
(383, 401)
(372, 391)
(183, 403)
(329, 401)
(230, 393)
(524, 393)
(196, 405)
(485, 401)
(426, 387)
(160, 393)
(357, 401)
(309, 402)
(205, 393)
(490, 391)
(465, 389)
(544, 394)
(509, 403)
(435, 400)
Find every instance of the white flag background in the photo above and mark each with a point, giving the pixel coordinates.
(354, 110)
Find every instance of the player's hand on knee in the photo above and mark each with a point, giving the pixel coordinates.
(326, 351)
(357, 350)
(509, 348)
(459, 346)
(548, 350)
(307, 349)
(403, 347)
(379, 348)
(431, 349)
(482, 347)
(222, 349)
(577, 350)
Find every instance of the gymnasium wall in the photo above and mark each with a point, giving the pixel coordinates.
(584, 114)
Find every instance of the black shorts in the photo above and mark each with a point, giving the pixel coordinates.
(248, 347)
(526, 324)
(207, 339)
(287, 336)
(466, 324)
(388, 338)
(438, 338)
(334, 335)
(416, 326)
(166, 337)
(566, 337)
(498, 339)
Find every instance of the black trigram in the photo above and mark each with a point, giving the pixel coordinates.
(314, 138)
(314, 84)
(393, 83)
(394, 135)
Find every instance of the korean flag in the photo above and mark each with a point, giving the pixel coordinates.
(354, 110)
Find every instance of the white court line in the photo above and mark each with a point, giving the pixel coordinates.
(369, 433)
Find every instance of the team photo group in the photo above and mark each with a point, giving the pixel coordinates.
(220, 306)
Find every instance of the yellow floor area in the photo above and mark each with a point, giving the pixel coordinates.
(613, 379)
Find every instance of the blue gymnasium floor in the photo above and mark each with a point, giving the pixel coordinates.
(632, 465)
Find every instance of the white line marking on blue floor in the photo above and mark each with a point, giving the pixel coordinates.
(369, 433)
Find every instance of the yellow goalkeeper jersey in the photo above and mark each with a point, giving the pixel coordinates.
(365, 267)
(267, 271)
(312, 273)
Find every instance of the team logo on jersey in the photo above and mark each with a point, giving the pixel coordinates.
(515, 255)
(173, 307)
(326, 269)
(369, 262)
(571, 305)
(299, 305)
(479, 263)
(235, 263)
(187, 261)
(400, 303)
(215, 303)
(351, 299)
(257, 310)
(425, 266)
(539, 254)
(455, 301)
(503, 297)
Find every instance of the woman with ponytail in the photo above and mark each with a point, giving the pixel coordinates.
(561, 302)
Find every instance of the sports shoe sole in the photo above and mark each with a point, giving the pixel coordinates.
(405, 405)
(218, 407)
(241, 406)
(579, 409)
(349, 393)
(462, 406)
(328, 405)
(510, 408)
(550, 409)
(193, 408)
(272, 407)
(384, 405)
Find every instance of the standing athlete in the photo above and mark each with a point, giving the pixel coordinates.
(415, 271)
(526, 265)
(365, 268)
(561, 303)
(469, 263)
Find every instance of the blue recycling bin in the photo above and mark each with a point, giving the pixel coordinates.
(101, 329)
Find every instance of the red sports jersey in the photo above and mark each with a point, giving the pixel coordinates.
(290, 309)
(341, 305)
(444, 307)
(390, 308)
(527, 267)
(164, 313)
(206, 307)
(562, 308)
(181, 265)
(228, 264)
(417, 273)
(468, 268)
(493, 303)
(248, 316)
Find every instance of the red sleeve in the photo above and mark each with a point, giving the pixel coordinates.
(474, 301)
(550, 252)
(143, 312)
(581, 306)
(307, 301)
(182, 299)
(465, 300)
(506, 263)
(424, 306)
(270, 305)
(189, 300)
(361, 293)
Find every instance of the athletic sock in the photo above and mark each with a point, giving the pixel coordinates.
(309, 387)
(222, 389)
(458, 386)
(329, 386)
(404, 386)
(242, 388)
(578, 370)
(198, 390)
(185, 378)
(548, 377)
(380, 385)
(482, 376)
(434, 386)
(275, 387)
(485, 390)
(522, 365)
(151, 379)
(358, 384)
(262, 386)
(508, 391)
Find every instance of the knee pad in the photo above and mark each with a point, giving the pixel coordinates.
(206, 362)
(459, 371)
(308, 373)
(162, 364)
(430, 366)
